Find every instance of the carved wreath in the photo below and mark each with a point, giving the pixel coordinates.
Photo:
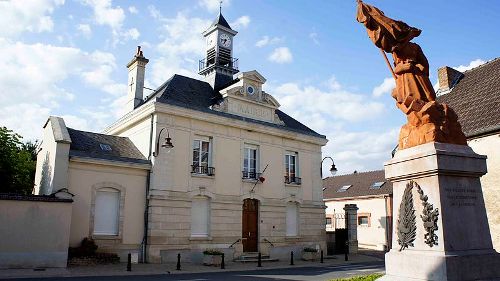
(407, 226)
(429, 217)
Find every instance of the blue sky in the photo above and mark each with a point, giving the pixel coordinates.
(68, 58)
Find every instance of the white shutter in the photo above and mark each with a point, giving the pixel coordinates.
(200, 213)
(291, 219)
(106, 213)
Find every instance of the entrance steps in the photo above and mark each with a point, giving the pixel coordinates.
(254, 257)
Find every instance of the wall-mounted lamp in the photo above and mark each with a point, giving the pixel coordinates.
(168, 143)
(333, 169)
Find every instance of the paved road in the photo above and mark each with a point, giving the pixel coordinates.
(298, 273)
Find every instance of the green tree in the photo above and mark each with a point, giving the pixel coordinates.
(17, 163)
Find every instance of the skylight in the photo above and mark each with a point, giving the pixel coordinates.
(344, 188)
(377, 185)
(105, 147)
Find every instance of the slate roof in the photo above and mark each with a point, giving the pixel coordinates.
(476, 99)
(198, 95)
(88, 144)
(361, 183)
(222, 21)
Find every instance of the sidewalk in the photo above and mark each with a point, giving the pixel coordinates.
(170, 268)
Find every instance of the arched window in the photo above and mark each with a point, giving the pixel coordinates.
(107, 211)
(200, 216)
(292, 219)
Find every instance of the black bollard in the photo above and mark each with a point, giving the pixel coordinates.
(346, 257)
(129, 262)
(259, 260)
(178, 262)
(321, 260)
(222, 265)
(291, 258)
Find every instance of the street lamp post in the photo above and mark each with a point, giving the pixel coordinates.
(168, 143)
(333, 169)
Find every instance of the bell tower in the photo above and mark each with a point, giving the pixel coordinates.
(219, 66)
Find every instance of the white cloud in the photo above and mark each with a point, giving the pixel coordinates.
(472, 64)
(33, 86)
(133, 10)
(213, 5)
(314, 37)
(241, 22)
(182, 42)
(30, 15)
(132, 33)
(266, 40)
(384, 88)
(281, 55)
(85, 30)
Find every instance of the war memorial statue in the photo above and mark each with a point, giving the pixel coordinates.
(441, 226)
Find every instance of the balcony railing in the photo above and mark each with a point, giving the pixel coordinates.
(292, 180)
(232, 64)
(202, 170)
(250, 175)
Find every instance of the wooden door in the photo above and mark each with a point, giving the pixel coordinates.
(250, 218)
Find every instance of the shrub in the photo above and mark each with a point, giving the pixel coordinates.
(87, 248)
(370, 277)
(212, 252)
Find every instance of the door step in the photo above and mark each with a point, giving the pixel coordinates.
(254, 257)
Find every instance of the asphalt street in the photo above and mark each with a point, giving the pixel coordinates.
(298, 273)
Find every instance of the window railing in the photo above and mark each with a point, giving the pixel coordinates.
(250, 175)
(202, 170)
(293, 180)
(232, 63)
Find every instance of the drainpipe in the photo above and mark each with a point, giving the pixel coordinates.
(146, 207)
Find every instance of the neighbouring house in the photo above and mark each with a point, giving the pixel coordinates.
(372, 194)
(197, 164)
(475, 97)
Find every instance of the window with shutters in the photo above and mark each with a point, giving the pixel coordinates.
(107, 212)
(200, 217)
(292, 219)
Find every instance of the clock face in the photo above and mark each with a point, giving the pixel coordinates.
(250, 90)
(225, 41)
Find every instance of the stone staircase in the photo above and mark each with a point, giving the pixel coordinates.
(253, 257)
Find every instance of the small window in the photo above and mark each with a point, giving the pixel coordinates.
(364, 219)
(377, 185)
(202, 157)
(344, 188)
(291, 167)
(105, 147)
(250, 161)
(328, 221)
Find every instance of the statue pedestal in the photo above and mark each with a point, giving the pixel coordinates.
(448, 175)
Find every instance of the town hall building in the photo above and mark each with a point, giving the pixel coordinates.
(197, 164)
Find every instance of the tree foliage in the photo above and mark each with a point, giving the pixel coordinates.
(17, 163)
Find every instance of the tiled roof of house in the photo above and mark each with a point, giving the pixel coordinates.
(198, 95)
(356, 185)
(106, 147)
(476, 99)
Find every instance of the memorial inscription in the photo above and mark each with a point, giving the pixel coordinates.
(462, 196)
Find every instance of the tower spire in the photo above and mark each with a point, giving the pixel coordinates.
(220, 7)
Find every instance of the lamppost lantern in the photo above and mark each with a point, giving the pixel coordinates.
(333, 169)
(168, 143)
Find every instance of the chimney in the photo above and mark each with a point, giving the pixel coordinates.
(136, 71)
(448, 78)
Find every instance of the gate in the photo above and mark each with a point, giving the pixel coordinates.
(340, 233)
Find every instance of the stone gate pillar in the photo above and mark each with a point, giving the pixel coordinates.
(351, 216)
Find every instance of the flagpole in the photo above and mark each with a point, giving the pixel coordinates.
(388, 63)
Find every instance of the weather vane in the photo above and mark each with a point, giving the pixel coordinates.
(220, 7)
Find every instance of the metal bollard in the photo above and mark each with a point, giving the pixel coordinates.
(129, 262)
(222, 265)
(321, 258)
(291, 258)
(346, 257)
(178, 262)
(259, 260)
